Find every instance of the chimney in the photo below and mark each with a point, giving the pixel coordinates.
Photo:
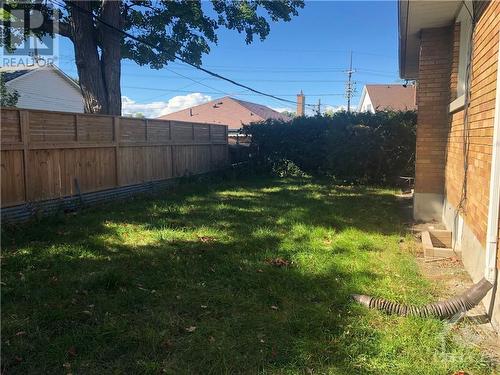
(301, 104)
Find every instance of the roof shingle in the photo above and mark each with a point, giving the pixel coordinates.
(392, 97)
(226, 111)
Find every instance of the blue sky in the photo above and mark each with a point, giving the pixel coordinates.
(310, 53)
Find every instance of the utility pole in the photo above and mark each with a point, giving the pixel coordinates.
(319, 107)
(350, 88)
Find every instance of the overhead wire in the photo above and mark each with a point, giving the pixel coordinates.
(174, 56)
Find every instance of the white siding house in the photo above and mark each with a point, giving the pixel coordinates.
(383, 97)
(365, 104)
(47, 88)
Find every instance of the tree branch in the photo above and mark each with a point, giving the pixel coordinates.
(64, 29)
(61, 28)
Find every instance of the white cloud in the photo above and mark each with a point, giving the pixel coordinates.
(283, 109)
(160, 108)
(336, 108)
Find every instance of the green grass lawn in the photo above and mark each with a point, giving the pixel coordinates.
(250, 277)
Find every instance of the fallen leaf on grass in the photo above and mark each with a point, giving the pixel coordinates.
(278, 262)
(206, 239)
(203, 306)
(191, 329)
(72, 351)
(274, 353)
(167, 344)
(20, 333)
(211, 338)
(275, 307)
(66, 365)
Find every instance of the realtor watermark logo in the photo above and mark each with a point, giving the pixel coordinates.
(28, 33)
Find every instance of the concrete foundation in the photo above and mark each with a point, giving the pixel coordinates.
(473, 257)
(427, 206)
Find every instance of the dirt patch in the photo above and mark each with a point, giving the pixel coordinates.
(449, 278)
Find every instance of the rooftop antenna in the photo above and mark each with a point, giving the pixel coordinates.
(350, 87)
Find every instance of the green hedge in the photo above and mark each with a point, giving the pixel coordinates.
(355, 147)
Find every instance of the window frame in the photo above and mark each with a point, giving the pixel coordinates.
(464, 54)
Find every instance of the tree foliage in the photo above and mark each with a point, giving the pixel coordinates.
(363, 147)
(176, 27)
(8, 98)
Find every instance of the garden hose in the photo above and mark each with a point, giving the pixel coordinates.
(442, 309)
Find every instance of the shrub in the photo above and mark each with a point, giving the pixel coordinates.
(356, 147)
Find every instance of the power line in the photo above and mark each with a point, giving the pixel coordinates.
(350, 87)
(156, 48)
(237, 93)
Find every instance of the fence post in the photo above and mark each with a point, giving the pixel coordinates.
(211, 143)
(116, 141)
(172, 159)
(226, 141)
(77, 137)
(172, 163)
(24, 119)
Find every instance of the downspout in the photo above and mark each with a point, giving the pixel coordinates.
(494, 200)
(474, 295)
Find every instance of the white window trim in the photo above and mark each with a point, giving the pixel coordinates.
(457, 104)
(464, 18)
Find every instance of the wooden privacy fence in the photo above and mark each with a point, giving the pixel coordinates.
(50, 155)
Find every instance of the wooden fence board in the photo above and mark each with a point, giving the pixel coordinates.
(12, 175)
(43, 152)
(158, 130)
(182, 131)
(52, 127)
(132, 130)
(11, 127)
(95, 129)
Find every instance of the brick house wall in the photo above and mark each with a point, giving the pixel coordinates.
(453, 157)
(474, 206)
(433, 93)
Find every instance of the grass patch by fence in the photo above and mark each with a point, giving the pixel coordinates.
(250, 277)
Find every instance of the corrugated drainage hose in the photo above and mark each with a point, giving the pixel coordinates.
(442, 309)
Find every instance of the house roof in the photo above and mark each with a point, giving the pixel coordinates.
(11, 73)
(413, 16)
(394, 97)
(226, 111)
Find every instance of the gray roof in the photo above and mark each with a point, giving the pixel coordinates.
(10, 75)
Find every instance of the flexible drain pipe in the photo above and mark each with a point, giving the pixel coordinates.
(442, 309)
(474, 295)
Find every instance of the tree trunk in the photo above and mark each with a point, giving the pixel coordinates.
(84, 38)
(111, 55)
(98, 57)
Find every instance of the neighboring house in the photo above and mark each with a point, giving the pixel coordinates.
(387, 97)
(227, 111)
(44, 87)
(457, 178)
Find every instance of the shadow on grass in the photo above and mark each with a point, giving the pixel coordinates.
(182, 283)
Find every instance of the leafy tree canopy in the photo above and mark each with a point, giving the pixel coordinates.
(176, 27)
(8, 98)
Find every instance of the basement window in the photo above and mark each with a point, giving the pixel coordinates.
(464, 55)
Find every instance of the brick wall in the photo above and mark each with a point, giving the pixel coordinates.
(454, 62)
(433, 93)
(474, 206)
